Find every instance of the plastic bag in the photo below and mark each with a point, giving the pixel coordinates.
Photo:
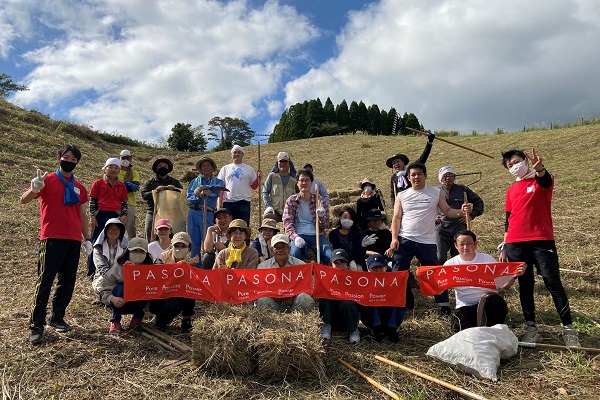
(478, 350)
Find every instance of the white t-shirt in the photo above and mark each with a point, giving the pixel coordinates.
(155, 250)
(419, 209)
(237, 178)
(470, 295)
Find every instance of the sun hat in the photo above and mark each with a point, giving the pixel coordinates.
(367, 181)
(269, 223)
(200, 161)
(181, 237)
(398, 156)
(160, 160)
(238, 223)
(138, 243)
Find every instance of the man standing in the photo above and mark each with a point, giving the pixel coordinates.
(399, 162)
(161, 167)
(278, 187)
(413, 227)
(201, 191)
(63, 223)
(280, 245)
(299, 220)
(241, 180)
(448, 227)
(529, 237)
(131, 179)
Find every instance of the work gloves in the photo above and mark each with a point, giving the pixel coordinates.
(320, 212)
(369, 240)
(299, 242)
(430, 137)
(37, 183)
(131, 187)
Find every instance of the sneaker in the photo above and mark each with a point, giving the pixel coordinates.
(135, 323)
(115, 328)
(60, 326)
(392, 334)
(355, 337)
(571, 337)
(186, 325)
(37, 334)
(445, 311)
(326, 331)
(531, 334)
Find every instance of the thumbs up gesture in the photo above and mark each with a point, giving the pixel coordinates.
(37, 183)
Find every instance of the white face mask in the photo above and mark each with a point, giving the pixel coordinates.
(346, 223)
(124, 163)
(180, 252)
(368, 189)
(520, 169)
(137, 258)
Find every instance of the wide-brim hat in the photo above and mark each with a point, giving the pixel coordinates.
(165, 160)
(367, 181)
(400, 156)
(200, 161)
(238, 223)
(269, 223)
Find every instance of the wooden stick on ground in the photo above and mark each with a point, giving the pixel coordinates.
(449, 142)
(447, 385)
(370, 380)
(573, 271)
(559, 347)
(180, 359)
(167, 339)
(157, 341)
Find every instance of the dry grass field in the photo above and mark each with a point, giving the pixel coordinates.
(87, 363)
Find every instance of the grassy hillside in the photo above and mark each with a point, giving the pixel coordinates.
(87, 363)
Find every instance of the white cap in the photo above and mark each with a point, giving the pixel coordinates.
(237, 147)
(112, 161)
(445, 170)
(283, 156)
(125, 153)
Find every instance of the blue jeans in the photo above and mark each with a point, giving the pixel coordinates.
(131, 307)
(196, 230)
(239, 210)
(311, 242)
(386, 316)
(427, 255)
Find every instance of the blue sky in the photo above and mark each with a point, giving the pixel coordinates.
(137, 68)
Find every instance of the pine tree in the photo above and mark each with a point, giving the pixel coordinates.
(343, 115)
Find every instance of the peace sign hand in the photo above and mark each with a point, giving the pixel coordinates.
(536, 161)
(37, 183)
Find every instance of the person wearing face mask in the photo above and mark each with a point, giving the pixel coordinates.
(237, 254)
(131, 179)
(447, 227)
(63, 224)
(110, 286)
(529, 237)
(347, 236)
(162, 167)
(108, 199)
(167, 309)
(369, 199)
(399, 163)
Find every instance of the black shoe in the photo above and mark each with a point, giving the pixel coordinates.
(445, 311)
(186, 325)
(392, 334)
(37, 334)
(60, 326)
(378, 332)
(162, 328)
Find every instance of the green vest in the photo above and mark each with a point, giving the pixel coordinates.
(280, 193)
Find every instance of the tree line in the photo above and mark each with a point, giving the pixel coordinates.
(311, 119)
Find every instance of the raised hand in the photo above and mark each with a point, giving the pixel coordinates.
(37, 183)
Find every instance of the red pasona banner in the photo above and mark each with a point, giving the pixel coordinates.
(435, 279)
(365, 288)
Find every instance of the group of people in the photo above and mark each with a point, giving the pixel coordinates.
(427, 223)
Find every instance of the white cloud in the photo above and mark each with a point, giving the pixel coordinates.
(466, 64)
(144, 66)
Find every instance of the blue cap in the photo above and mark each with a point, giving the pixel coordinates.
(376, 260)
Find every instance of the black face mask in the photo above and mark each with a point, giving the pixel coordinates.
(162, 171)
(67, 166)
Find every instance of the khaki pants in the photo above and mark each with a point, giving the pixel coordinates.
(131, 222)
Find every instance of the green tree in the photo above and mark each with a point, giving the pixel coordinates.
(314, 118)
(185, 138)
(410, 121)
(280, 131)
(354, 117)
(374, 120)
(385, 127)
(343, 115)
(297, 121)
(7, 85)
(329, 111)
(229, 131)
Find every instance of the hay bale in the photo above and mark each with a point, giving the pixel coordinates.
(222, 340)
(289, 345)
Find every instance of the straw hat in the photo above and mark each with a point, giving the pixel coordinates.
(238, 223)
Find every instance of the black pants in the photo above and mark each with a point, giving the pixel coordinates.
(57, 257)
(495, 310)
(341, 314)
(541, 255)
(167, 309)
